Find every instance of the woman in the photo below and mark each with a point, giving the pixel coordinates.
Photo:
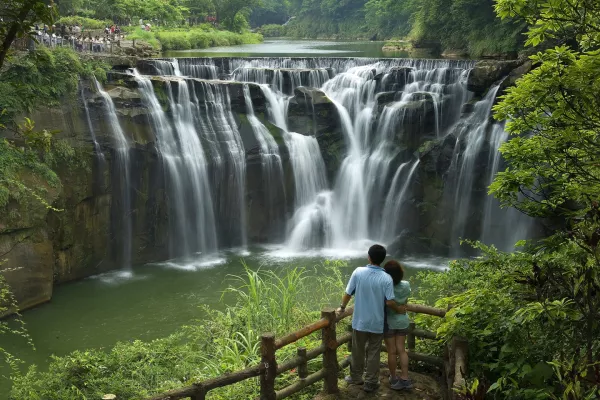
(396, 328)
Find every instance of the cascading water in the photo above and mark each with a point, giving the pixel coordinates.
(471, 137)
(387, 112)
(501, 227)
(228, 157)
(121, 179)
(192, 224)
(271, 165)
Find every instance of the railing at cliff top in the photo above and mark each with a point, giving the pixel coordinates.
(453, 364)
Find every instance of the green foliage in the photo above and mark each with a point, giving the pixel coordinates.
(524, 315)
(271, 12)
(390, 18)
(272, 30)
(41, 77)
(19, 165)
(16, 326)
(318, 26)
(86, 23)
(465, 24)
(222, 342)
(232, 13)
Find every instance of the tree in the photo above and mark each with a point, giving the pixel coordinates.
(199, 9)
(553, 114)
(69, 7)
(16, 19)
(228, 10)
(390, 17)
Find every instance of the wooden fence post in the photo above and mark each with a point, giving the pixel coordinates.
(330, 364)
(200, 392)
(461, 349)
(267, 377)
(302, 368)
(410, 338)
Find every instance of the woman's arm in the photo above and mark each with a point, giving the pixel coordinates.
(398, 308)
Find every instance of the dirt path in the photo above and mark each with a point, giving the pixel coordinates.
(425, 388)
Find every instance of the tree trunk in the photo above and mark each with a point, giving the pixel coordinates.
(11, 35)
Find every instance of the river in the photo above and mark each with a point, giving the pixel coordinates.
(293, 48)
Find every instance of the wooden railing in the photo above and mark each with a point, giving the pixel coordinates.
(453, 365)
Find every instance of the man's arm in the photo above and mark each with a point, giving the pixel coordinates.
(345, 300)
(398, 308)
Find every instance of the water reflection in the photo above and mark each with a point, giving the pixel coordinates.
(293, 48)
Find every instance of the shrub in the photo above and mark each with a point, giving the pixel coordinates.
(148, 37)
(272, 30)
(527, 336)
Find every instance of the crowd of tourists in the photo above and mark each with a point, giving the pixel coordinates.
(380, 297)
(76, 37)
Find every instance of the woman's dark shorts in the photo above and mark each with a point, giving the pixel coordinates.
(390, 333)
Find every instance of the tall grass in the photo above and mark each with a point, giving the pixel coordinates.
(148, 37)
(224, 341)
(201, 38)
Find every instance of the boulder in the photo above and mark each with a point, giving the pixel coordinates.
(311, 112)
(123, 93)
(514, 76)
(310, 96)
(487, 72)
(394, 80)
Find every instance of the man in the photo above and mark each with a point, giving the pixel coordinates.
(373, 289)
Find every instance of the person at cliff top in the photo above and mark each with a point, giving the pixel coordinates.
(396, 328)
(371, 287)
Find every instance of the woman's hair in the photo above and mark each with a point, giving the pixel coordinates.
(395, 270)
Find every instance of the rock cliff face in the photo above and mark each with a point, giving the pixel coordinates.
(47, 247)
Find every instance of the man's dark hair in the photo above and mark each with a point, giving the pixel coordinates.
(395, 270)
(377, 254)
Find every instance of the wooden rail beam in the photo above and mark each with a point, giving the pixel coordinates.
(298, 386)
(422, 309)
(297, 361)
(299, 334)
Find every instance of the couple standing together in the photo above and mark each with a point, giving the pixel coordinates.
(380, 297)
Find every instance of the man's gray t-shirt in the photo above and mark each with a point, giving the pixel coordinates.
(371, 286)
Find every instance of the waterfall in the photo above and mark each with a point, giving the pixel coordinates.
(191, 215)
(501, 227)
(97, 149)
(229, 160)
(271, 165)
(310, 226)
(122, 176)
(472, 132)
(218, 152)
(396, 199)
